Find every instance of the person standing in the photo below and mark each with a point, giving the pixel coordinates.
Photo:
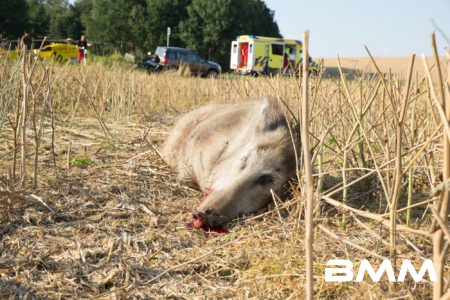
(26, 41)
(82, 47)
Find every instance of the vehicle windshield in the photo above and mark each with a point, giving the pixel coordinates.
(160, 52)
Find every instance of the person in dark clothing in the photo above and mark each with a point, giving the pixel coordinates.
(26, 41)
(82, 46)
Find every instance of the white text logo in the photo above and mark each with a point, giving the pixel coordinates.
(344, 271)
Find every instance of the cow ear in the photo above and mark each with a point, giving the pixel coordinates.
(272, 116)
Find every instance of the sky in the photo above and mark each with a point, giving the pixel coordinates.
(343, 27)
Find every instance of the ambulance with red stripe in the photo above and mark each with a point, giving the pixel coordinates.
(252, 54)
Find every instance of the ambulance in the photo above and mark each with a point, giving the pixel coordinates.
(251, 54)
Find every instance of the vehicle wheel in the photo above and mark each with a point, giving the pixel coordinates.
(212, 73)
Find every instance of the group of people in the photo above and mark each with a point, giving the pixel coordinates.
(27, 42)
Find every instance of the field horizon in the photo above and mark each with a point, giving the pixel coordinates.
(397, 65)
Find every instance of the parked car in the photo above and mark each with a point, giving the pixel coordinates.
(151, 64)
(172, 57)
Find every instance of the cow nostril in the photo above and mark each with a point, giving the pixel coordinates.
(209, 211)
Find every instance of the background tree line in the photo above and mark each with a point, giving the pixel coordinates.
(139, 26)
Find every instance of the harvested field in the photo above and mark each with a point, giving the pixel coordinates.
(395, 66)
(98, 214)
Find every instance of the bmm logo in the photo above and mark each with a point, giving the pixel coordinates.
(345, 272)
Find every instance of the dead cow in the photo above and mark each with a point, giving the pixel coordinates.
(234, 154)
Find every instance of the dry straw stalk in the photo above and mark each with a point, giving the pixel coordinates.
(440, 251)
(307, 165)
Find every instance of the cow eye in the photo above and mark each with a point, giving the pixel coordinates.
(264, 179)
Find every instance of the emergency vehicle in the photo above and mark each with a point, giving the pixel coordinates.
(252, 54)
(60, 51)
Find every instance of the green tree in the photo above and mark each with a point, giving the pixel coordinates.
(37, 18)
(212, 25)
(259, 19)
(162, 14)
(137, 23)
(84, 8)
(53, 18)
(13, 18)
(65, 22)
(119, 25)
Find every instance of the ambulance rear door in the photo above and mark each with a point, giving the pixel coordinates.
(251, 56)
(234, 55)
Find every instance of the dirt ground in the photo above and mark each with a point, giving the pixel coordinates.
(114, 213)
(114, 225)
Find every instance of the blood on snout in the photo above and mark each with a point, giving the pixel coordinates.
(197, 223)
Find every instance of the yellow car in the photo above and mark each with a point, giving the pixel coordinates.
(59, 51)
